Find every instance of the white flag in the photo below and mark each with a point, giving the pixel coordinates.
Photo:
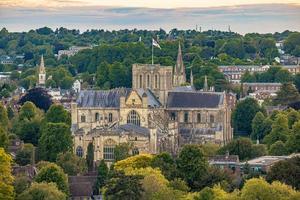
(154, 43)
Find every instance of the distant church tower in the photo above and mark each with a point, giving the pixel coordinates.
(179, 70)
(42, 73)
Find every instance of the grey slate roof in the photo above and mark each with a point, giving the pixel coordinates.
(102, 98)
(133, 128)
(111, 98)
(194, 99)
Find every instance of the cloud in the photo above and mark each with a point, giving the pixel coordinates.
(242, 19)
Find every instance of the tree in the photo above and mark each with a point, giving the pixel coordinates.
(71, 164)
(57, 114)
(297, 81)
(3, 117)
(291, 42)
(243, 115)
(122, 151)
(278, 149)
(102, 176)
(287, 94)
(248, 78)
(90, 157)
(28, 111)
(42, 191)
(3, 138)
(240, 146)
(286, 171)
(258, 126)
(166, 164)
(192, 165)
(293, 116)
(293, 142)
(6, 178)
(39, 97)
(28, 131)
(56, 138)
(178, 184)
(124, 187)
(280, 130)
(25, 155)
(21, 183)
(53, 173)
(135, 162)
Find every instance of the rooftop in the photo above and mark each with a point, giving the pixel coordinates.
(195, 99)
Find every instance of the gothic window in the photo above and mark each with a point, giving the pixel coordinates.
(79, 151)
(109, 150)
(110, 117)
(141, 81)
(156, 81)
(133, 118)
(173, 116)
(198, 117)
(97, 117)
(82, 118)
(211, 119)
(148, 81)
(186, 117)
(135, 151)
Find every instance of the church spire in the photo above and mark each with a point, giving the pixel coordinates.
(205, 86)
(42, 66)
(179, 71)
(42, 72)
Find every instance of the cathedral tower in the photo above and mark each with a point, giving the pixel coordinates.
(179, 77)
(42, 73)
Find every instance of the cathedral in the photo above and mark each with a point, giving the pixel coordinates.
(159, 113)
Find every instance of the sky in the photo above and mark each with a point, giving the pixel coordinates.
(242, 16)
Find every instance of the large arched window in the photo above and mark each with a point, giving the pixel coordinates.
(186, 117)
(79, 151)
(198, 117)
(109, 150)
(133, 118)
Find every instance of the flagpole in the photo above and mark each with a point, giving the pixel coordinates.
(152, 53)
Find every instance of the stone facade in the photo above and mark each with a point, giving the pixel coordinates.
(157, 114)
(42, 73)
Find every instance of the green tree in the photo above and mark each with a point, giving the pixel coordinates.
(6, 178)
(293, 116)
(102, 176)
(280, 130)
(166, 164)
(286, 171)
(3, 138)
(287, 94)
(248, 78)
(90, 157)
(291, 42)
(28, 111)
(55, 174)
(192, 165)
(124, 188)
(21, 183)
(71, 164)
(3, 117)
(56, 138)
(25, 156)
(122, 151)
(28, 130)
(57, 114)
(241, 146)
(258, 126)
(243, 115)
(42, 191)
(278, 149)
(293, 142)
